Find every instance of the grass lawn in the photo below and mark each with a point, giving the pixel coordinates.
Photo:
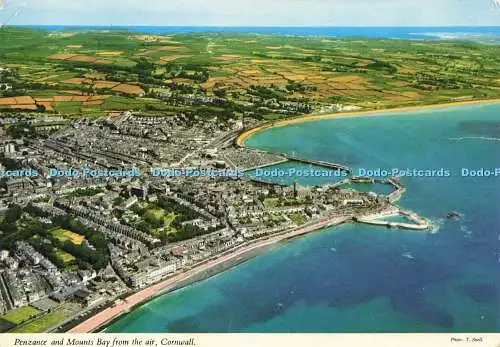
(298, 218)
(22, 314)
(67, 235)
(271, 202)
(273, 116)
(64, 256)
(155, 213)
(41, 324)
(274, 218)
(158, 215)
(169, 218)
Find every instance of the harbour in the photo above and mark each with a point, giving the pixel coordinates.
(367, 270)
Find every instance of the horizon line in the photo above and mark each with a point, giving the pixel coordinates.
(263, 26)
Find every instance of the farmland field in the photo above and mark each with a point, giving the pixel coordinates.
(97, 72)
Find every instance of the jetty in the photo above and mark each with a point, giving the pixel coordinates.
(400, 189)
(283, 158)
(419, 223)
(320, 163)
(394, 224)
(277, 162)
(361, 179)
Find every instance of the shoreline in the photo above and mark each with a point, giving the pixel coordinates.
(243, 137)
(239, 254)
(110, 314)
(200, 276)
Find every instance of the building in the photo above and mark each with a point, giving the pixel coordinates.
(19, 186)
(4, 254)
(140, 192)
(9, 148)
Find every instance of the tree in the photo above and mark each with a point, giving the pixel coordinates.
(40, 108)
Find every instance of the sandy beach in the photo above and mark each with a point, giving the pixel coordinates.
(102, 318)
(273, 124)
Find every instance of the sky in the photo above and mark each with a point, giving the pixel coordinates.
(255, 12)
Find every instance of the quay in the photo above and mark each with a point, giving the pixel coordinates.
(394, 224)
(239, 141)
(287, 157)
(284, 160)
(320, 163)
(400, 189)
(419, 222)
(361, 179)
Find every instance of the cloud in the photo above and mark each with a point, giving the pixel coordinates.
(260, 12)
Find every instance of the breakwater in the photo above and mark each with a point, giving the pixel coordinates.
(419, 223)
(398, 193)
(320, 163)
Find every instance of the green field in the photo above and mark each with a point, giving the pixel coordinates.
(271, 202)
(169, 218)
(64, 256)
(154, 214)
(368, 73)
(298, 218)
(21, 314)
(158, 220)
(64, 235)
(41, 324)
(68, 107)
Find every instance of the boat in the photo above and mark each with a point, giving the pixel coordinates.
(362, 179)
(408, 255)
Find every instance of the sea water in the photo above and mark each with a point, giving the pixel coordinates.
(357, 278)
(480, 33)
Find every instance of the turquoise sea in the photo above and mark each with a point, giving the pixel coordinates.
(366, 279)
(475, 33)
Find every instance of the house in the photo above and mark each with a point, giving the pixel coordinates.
(178, 251)
(4, 254)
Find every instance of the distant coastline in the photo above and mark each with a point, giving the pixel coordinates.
(420, 33)
(243, 137)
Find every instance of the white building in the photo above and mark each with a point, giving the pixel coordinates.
(4, 254)
(10, 148)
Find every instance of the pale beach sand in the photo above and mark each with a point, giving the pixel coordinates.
(104, 317)
(247, 134)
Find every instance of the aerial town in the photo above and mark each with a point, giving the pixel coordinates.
(97, 209)
(124, 167)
